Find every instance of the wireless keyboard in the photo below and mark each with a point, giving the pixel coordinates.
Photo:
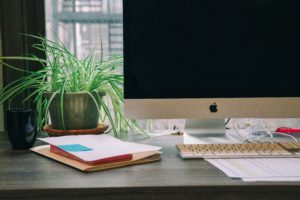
(244, 150)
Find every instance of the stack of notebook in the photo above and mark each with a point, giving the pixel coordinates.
(96, 152)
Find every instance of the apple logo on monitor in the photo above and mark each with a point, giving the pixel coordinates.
(213, 108)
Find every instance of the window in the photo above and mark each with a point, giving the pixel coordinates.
(82, 24)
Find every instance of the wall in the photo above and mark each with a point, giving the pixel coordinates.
(1, 107)
(19, 16)
(1, 85)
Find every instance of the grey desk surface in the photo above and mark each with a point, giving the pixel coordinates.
(26, 175)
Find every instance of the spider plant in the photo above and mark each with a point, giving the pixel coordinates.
(62, 73)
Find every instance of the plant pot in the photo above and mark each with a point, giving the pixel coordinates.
(79, 111)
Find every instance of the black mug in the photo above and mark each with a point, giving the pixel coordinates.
(21, 128)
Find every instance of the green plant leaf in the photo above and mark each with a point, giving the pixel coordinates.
(62, 72)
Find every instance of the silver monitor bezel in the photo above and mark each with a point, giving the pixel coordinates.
(270, 107)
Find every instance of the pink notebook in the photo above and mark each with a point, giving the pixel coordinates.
(118, 158)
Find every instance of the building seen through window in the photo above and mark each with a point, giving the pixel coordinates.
(82, 24)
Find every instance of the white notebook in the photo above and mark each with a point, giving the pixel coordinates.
(96, 147)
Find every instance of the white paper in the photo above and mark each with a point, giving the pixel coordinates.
(103, 146)
(276, 179)
(260, 169)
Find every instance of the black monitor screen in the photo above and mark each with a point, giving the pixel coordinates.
(211, 48)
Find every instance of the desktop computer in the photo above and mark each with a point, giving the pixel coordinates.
(202, 59)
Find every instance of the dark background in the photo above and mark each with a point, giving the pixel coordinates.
(16, 18)
(205, 48)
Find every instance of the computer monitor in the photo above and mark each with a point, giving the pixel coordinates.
(211, 59)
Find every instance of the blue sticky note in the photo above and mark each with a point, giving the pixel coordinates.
(74, 148)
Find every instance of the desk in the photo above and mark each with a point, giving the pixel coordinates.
(25, 175)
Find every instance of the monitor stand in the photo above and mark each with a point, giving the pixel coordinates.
(204, 130)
